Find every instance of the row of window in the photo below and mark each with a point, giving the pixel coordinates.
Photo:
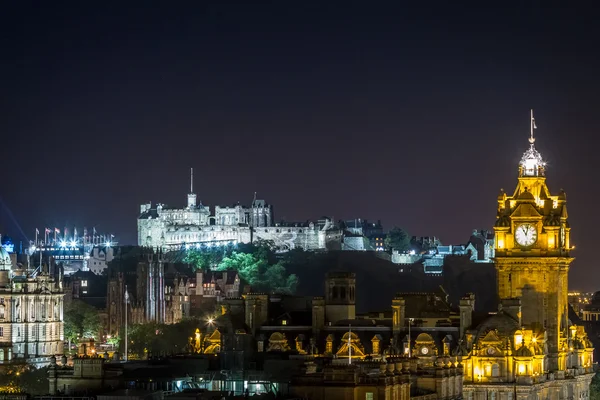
(32, 332)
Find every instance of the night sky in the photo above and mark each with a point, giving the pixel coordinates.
(415, 116)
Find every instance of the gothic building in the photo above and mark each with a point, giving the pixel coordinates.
(164, 292)
(174, 228)
(31, 312)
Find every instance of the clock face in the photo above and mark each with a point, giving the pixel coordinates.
(491, 350)
(526, 234)
(424, 350)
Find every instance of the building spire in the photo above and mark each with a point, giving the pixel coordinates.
(533, 127)
(191, 180)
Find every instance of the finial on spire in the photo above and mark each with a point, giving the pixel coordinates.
(533, 127)
(191, 180)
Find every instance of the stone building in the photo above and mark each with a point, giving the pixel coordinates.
(528, 349)
(31, 312)
(163, 227)
(164, 292)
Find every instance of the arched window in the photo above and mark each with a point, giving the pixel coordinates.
(495, 370)
(2, 311)
(487, 370)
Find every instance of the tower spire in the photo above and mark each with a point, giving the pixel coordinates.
(191, 180)
(533, 127)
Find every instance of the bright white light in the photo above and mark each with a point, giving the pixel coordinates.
(73, 243)
(197, 245)
(63, 244)
(108, 244)
(412, 252)
(33, 248)
(187, 246)
(210, 320)
(209, 244)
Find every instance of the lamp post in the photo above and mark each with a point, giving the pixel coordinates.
(410, 321)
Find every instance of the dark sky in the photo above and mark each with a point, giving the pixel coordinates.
(415, 116)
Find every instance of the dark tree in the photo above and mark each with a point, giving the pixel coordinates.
(397, 239)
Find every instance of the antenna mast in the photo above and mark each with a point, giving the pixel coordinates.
(531, 138)
(191, 180)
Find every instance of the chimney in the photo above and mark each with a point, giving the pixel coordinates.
(399, 314)
(199, 281)
(466, 306)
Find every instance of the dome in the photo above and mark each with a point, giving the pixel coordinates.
(527, 196)
(532, 163)
(5, 261)
(523, 351)
(503, 323)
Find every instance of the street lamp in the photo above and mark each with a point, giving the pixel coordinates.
(410, 321)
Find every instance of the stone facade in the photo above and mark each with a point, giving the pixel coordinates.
(158, 292)
(169, 228)
(31, 314)
(528, 349)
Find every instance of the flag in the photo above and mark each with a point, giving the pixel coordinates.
(48, 230)
(56, 230)
(534, 125)
(37, 231)
(94, 230)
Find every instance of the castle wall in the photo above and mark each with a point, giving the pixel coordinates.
(290, 237)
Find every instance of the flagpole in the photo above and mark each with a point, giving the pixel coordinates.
(36, 236)
(126, 301)
(349, 344)
(531, 138)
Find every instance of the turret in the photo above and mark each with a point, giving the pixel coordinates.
(340, 300)
(466, 306)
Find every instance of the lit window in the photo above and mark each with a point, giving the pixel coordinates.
(1, 331)
(84, 283)
(369, 396)
(284, 322)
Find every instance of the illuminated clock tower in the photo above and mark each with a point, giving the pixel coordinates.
(532, 253)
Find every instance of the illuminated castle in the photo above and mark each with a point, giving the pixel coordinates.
(529, 347)
(194, 226)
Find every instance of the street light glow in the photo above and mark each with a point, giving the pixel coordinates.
(108, 244)
(73, 243)
(63, 244)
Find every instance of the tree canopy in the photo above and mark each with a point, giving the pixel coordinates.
(161, 339)
(397, 239)
(81, 321)
(23, 378)
(256, 264)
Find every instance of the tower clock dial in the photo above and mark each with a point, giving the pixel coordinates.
(526, 234)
